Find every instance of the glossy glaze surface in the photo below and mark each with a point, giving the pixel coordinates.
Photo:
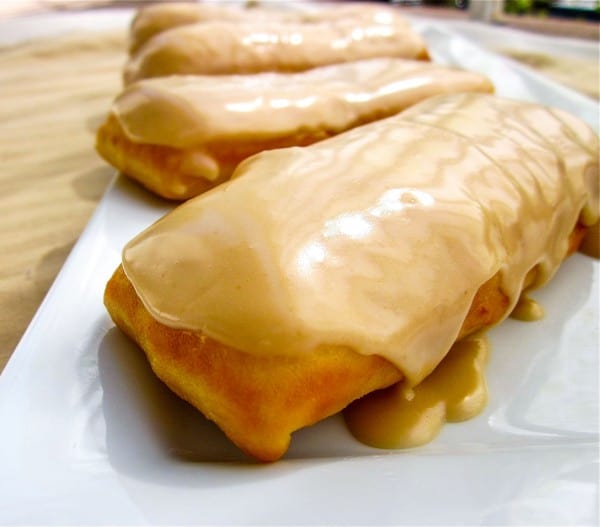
(218, 47)
(376, 239)
(154, 19)
(187, 111)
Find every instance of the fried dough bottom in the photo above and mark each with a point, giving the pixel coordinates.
(257, 400)
(174, 173)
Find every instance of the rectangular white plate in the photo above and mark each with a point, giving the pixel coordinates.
(88, 435)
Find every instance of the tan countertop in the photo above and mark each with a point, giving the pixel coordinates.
(54, 95)
(55, 92)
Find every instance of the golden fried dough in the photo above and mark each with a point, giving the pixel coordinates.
(257, 401)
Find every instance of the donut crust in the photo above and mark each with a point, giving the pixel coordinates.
(168, 171)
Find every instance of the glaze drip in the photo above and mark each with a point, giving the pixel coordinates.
(455, 391)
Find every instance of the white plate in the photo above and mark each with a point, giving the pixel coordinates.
(88, 435)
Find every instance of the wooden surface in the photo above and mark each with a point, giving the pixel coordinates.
(54, 95)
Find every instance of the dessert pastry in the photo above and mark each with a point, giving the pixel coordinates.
(224, 48)
(182, 135)
(157, 18)
(321, 273)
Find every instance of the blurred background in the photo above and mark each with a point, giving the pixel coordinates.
(544, 9)
(570, 18)
(578, 19)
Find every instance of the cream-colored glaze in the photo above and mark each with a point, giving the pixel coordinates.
(155, 19)
(188, 111)
(455, 391)
(376, 239)
(218, 47)
(527, 309)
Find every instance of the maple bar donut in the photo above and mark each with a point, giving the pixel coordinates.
(182, 135)
(154, 19)
(321, 273)
(225, 48)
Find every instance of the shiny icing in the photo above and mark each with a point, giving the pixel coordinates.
(157, 18)
(399, 418)
(376, 239)
(187, 111)
(221, 47)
